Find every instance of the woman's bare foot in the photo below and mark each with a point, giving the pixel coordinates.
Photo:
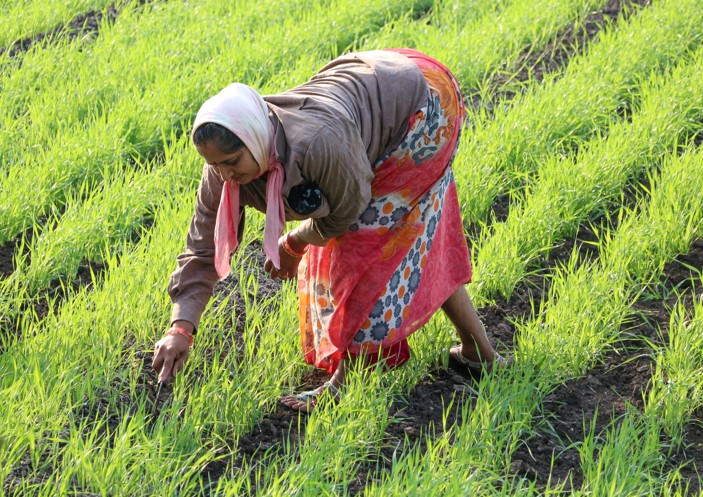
(475, 345)
(461, 363)
(306, 401)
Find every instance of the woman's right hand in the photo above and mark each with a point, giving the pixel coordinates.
(170, 354)
(289, 260)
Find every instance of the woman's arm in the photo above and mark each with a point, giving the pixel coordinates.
(192, 282)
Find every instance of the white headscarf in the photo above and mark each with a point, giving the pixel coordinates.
(241, 110)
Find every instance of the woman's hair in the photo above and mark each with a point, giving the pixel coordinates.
(226, 141)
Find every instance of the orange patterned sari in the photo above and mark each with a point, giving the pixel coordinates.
(367, 290)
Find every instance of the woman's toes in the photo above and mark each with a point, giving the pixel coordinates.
(293, 402)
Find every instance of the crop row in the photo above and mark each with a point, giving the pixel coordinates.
(21, 20)
(586, 309)
(571, 190)
(561, 114)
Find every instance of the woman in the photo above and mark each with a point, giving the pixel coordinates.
(362, 155)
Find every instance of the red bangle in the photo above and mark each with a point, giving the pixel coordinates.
(290, 250)
(175, 330)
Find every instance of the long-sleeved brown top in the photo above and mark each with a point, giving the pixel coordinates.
(329, 133)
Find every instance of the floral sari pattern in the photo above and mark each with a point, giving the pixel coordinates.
(366, 291)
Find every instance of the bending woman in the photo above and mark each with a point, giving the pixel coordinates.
(361, 154)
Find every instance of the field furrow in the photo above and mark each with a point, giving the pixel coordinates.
(582, 410)
(537, 63)
(20, 22)
(570, 191)
(557, 117)
(471, 46)
(628, 458)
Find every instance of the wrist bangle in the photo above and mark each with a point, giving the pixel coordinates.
(290, 250)
(175, 330)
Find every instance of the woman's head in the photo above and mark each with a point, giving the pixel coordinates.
(224, 151)
(218, 135)
(233, 127)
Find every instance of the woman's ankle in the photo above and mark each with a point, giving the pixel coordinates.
(338, 377)
(473, 354)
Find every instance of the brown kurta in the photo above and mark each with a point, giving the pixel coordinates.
(329, 133)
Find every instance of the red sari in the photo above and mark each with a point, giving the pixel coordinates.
(367, 290)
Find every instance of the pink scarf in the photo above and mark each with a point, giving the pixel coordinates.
(241, 110)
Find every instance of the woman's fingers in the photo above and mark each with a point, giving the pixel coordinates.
(288, 270)
(283, 273)
(170, 353)
(158, 360)
(180, 361)
(165, 373)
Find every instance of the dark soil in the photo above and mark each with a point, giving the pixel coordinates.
(56, 291)
(79, 26)
(508, 82)
(622, 380)
(7, 252)
(84, 24)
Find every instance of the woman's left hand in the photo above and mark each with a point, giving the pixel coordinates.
(289, 263)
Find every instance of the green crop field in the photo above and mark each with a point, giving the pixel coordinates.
(580, 179)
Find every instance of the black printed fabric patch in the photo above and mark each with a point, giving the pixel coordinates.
(305, 199)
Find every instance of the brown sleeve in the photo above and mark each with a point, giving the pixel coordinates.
(192, 282)
(336, 161)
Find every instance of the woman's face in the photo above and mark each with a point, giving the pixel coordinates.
(239, 166)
